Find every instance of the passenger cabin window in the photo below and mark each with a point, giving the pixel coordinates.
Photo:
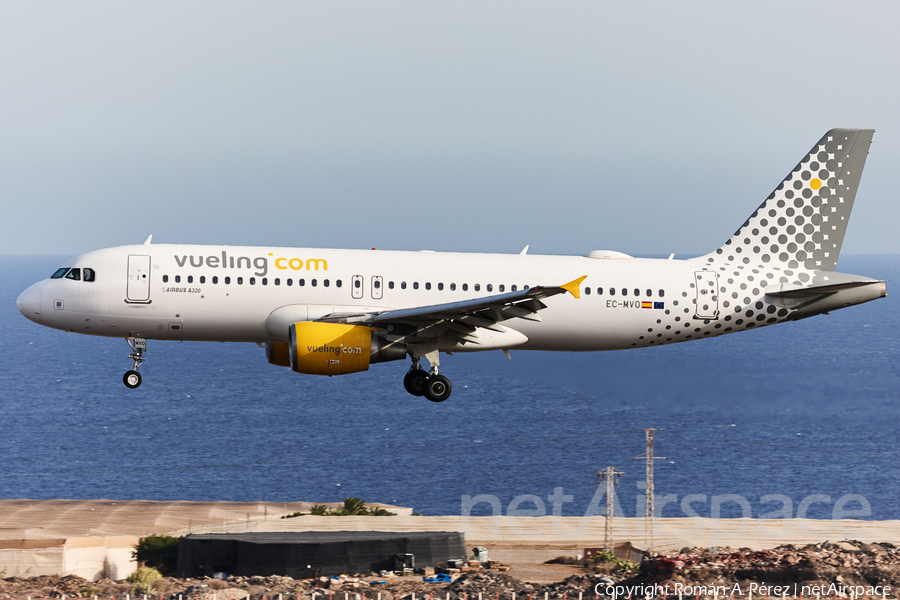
(477, 287)
(165, 279)
(427, 285)
(178, 279)
(338, 283)
(490, 287)
(501, 287)
(203, 279)
(402, 285)
(465, 287)
(452, 287)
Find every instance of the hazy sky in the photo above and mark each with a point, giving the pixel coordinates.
(646, 128)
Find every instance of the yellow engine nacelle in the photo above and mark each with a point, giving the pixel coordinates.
(336, 349)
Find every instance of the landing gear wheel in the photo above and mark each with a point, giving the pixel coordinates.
(415, 381)
(437, 388)
(132, 379)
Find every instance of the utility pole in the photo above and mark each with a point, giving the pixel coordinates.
(609, 476)
(649, 456)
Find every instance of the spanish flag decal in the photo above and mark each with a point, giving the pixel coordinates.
(646, 305)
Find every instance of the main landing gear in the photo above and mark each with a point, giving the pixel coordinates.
(132, 379)
(431, 384)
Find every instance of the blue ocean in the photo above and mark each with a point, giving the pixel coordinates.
(801, 410)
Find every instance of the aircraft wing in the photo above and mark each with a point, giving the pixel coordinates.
(459, 320)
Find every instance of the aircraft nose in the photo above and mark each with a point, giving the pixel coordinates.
(29, 303)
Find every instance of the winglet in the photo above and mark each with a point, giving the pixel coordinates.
(573, 286)
(147, 241)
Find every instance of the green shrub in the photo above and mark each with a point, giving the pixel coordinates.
(352, 507)
(145, 581)
(604, 556)
(158, 552)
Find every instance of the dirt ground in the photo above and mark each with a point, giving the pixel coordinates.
(534, 573)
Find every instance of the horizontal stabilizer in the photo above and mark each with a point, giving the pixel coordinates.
(818, 290)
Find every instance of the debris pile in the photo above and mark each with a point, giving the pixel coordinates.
(812, 566)
(587, 585)
(487, 583)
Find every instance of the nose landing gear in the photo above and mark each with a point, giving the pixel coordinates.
(132, 379)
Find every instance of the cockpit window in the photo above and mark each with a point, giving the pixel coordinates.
(74, 274)
(59, 273)
(89, 275)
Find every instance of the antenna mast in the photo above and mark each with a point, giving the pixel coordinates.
(609, 476)
(649, 456)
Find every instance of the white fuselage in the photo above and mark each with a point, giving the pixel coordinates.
(229, 293)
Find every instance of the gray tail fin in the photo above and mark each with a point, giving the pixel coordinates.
(802, 223)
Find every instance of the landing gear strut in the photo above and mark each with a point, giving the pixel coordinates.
(132, 379)
(432, 384)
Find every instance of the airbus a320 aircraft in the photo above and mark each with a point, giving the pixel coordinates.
(333, 312)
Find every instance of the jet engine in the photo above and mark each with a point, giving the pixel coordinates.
(333, 349)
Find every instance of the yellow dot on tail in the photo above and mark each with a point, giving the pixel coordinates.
(815, 184)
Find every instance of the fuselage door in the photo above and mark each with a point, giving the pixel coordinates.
(707, 287)
(356, 287)
(377, 285)
(138, 289)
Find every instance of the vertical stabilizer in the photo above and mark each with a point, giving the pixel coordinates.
(802, 223)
